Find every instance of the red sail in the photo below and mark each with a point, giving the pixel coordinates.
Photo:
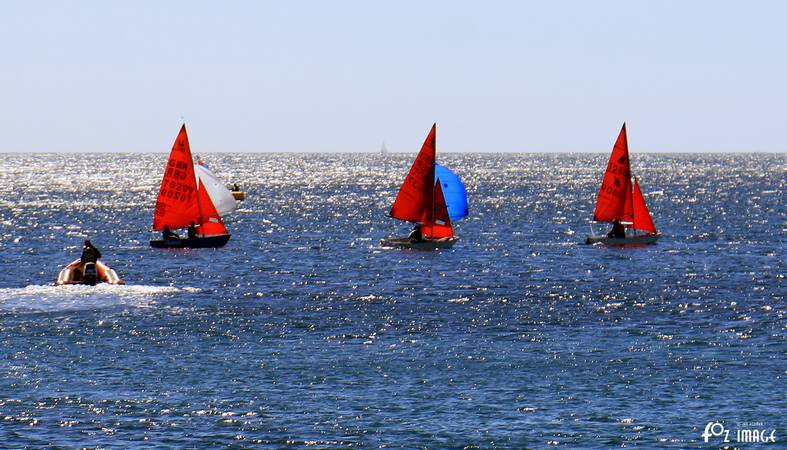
(628, 206)
(414, 201)
(209, 224)
(440, 225)
(176, 205)
(611, 203)
(642, 219)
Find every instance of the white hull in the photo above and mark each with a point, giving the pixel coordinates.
(641, 239)
(426, 244)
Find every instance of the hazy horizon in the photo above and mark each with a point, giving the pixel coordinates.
(313, 77)
(395, 152)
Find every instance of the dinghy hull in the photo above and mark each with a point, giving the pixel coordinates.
(427, 244)
(642, 239)
(74, 274)
(198, 242)
(239, 195)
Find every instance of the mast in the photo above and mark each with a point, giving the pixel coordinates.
(196, 186)
(434, 145)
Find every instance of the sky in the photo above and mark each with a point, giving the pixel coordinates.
(344, 76)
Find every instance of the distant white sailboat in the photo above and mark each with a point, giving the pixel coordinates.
(383, 149)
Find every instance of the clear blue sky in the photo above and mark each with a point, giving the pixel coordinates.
(346, 75)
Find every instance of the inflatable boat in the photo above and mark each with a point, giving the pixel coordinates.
(89, 273)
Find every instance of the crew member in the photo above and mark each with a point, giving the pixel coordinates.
(617, 231)
(168, 234)
(192, 231)
(416, 235)
(89, 253)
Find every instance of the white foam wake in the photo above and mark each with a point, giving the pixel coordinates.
(79, 297)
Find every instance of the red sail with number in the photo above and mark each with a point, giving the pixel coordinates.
(415, 200)
(176, 205)
(614, 197)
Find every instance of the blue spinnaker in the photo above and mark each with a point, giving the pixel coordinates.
(453, 190)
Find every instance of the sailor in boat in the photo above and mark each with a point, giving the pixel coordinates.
(88, 269)
(416, 235)
(88, 260)
(192, 231)
(617, 231)
(235, 187)
(169, 234)
(90, 254)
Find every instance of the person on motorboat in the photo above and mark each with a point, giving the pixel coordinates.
(416, 235)
(88, 260)
(192, 231)
(90, 254)
(617, 231)
(169, 234)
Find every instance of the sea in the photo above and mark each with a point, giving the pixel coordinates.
(304, 332)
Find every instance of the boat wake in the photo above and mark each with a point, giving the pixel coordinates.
(44, 298)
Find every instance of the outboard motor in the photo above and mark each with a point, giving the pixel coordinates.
(89, 274)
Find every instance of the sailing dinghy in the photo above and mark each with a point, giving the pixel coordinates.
(185, 198)
(431, 197)
(620, 200)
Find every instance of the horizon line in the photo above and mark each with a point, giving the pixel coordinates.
(390, 152)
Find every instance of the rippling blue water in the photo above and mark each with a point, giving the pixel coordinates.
(302, 331)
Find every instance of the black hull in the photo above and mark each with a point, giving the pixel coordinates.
(640, 239)
(426, 244)
(199, 242)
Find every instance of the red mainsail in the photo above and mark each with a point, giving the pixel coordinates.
(415, 200)
(176, 206)
(439, 225)
(616, 186)
(642, 219)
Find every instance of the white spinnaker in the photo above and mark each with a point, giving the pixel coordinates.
(221, 196)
